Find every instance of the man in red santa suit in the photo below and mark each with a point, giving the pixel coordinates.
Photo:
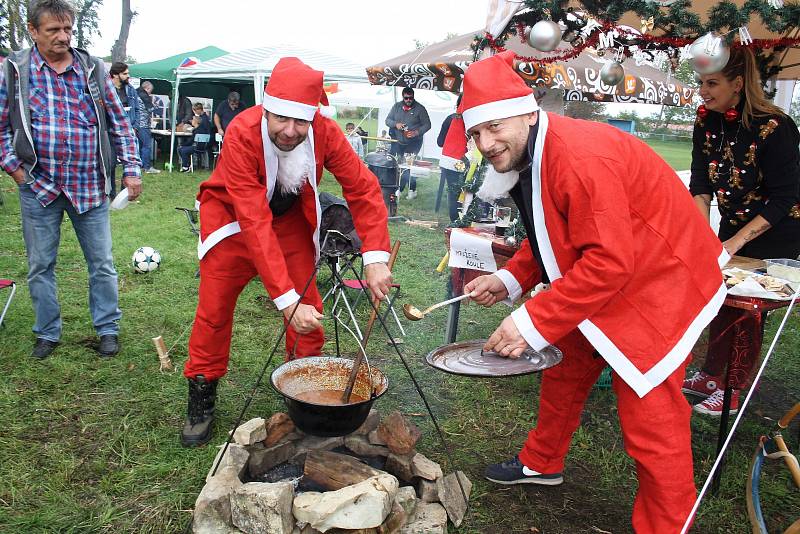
(634, 276)
(260, 216)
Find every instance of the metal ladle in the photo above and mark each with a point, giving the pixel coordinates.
(412, 313)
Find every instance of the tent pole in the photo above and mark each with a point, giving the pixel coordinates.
(258, 87)
(172, 122)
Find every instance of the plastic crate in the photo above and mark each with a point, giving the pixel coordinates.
(604, 382)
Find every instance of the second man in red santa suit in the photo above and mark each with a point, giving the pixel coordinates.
(634, 277)
(260, 216)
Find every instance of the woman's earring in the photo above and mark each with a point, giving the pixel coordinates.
(732, 115)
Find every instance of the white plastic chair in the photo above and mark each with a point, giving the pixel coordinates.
(217, 150)
(200, 148)
(4, 284)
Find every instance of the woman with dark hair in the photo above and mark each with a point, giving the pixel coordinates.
(745, 153)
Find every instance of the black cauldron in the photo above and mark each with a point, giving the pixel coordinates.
(311, 388)
(384, 166)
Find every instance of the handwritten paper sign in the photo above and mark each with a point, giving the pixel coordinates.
(469, 251)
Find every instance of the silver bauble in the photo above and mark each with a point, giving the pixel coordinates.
(709, 54)
(545, 35)
(612, 73)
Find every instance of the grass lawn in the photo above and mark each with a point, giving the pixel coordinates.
(91, 445)
(677, 153)
(368, 123)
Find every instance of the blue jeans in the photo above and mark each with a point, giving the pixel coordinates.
(145, 147)
(399, 152)
(186, 155)
(41, 229)
(455, 180)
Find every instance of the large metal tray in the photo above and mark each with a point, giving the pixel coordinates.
(467, 358)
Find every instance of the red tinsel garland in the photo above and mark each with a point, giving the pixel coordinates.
(637, 39)
(575, 52)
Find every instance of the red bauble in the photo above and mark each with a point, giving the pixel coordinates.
(732, 115)
(702, 111)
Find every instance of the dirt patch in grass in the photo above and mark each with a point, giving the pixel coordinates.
(575, 506)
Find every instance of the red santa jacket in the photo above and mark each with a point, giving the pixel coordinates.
(632, 262)
(236, 197)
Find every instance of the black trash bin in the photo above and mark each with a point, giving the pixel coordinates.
(384, 166)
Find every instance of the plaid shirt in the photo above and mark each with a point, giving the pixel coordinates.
(65, 132)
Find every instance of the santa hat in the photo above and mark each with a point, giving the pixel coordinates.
(493, 90)
(294, 90)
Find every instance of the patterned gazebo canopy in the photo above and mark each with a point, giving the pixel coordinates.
(441, 66)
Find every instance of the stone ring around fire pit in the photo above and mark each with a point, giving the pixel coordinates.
(275, 478)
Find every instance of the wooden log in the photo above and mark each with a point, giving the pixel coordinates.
(163, 355)
(334, 471)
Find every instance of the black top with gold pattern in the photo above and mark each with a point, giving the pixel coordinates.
(751, 172)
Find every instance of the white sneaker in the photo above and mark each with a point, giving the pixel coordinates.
(412, 195)
(397, 193)
(152, 170)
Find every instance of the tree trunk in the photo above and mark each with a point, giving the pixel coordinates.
(81, 30)
(17, 31)
(661, 119)
(119, 52)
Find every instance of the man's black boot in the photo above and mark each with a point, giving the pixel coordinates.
(200, 412)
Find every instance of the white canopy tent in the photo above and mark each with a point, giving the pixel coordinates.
(439, 105)
(255, 65)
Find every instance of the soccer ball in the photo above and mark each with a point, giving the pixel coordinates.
(146, 259)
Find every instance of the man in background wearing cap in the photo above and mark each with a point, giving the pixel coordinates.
(260, 216)
(634, 277)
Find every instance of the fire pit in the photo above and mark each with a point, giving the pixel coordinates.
(275, 478)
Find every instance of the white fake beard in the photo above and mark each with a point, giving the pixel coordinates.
(294, 168)
(496, 185)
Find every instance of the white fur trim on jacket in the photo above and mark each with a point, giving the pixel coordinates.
(512, 286)
(525, 326)
(447, 162)
(215, 237)
(375, 256)
(286, 300)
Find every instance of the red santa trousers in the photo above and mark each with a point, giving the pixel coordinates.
(224, 272)
(655, 429)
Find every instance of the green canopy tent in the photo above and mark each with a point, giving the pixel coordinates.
(163, 72)
(250, 70)
(163, 75)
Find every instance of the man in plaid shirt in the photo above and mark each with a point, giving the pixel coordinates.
(59, 115)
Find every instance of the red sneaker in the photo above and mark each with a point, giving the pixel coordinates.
(713, 405)
(702, 385)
